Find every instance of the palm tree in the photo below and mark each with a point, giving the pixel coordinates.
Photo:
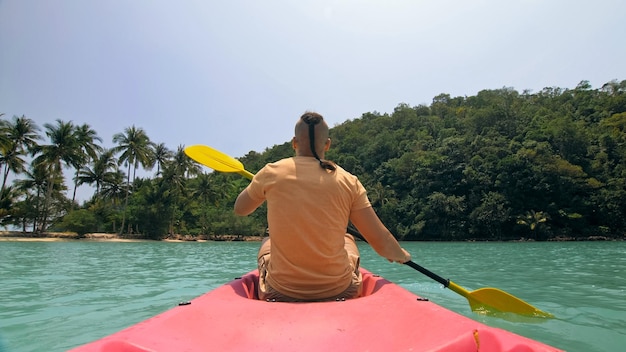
(17, 138)
(184, 164)
(161, 156)
(136, 149)
(3, 128)
(114, 188)
(8, 198)
(35, 188)
(175, 176)
(24, 212)
(104, 168)
(533, 219)
(85, 137)
(63, 148)
(203, 188)
(211, 189)
(380, 194)
(173, 185)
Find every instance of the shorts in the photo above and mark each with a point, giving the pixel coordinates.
(266, 292)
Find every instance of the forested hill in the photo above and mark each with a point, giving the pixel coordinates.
(499, 165)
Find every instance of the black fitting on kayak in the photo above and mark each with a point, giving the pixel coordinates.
(185, 303)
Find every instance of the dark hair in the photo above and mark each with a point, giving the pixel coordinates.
(312, 119)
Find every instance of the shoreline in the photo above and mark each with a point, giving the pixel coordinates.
(17, 236)
(13, 236)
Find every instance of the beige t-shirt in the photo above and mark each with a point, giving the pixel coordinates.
(307, 211)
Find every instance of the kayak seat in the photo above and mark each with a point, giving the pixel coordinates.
(246, 286)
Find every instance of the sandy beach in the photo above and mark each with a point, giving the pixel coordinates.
(112, 237)
(61, 236)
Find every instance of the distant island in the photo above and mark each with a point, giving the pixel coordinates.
(501, 165)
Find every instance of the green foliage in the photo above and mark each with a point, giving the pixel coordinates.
(7, 209)
(490, 217)
(497, 165)
(81, 221)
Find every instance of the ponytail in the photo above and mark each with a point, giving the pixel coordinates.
(312, 119)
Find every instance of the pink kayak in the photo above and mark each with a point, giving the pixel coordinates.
(386, 318)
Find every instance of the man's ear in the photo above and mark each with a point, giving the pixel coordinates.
(294, 143)
(327, 145)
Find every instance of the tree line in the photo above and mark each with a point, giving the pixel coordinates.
(495, 166)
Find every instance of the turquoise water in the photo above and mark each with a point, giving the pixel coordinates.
(58, 295)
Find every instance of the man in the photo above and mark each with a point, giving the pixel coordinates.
(310, 200)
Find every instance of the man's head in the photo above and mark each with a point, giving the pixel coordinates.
(302, 141)
(311, 138)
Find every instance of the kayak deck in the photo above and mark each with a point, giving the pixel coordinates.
(386, 318)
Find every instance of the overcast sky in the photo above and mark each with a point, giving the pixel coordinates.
(237, 74)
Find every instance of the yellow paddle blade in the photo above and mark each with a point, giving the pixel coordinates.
(492, 300)
(486, 300)
(216, 160)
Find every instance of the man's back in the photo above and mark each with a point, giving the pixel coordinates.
(308, 211)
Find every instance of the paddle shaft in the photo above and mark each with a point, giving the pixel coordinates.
(421, 269)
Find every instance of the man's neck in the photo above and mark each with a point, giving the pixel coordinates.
(308, 154)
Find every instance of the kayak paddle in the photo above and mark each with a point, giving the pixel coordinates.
(483, 300)
(216, 160)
